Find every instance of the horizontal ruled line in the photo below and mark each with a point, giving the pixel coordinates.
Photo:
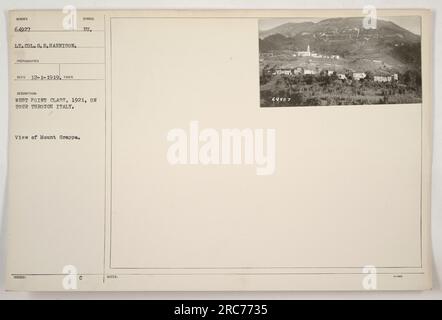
(40, 80)
(85, 31)
(58, 62)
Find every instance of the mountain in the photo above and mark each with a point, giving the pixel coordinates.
(348, 38)
(335, 26)
(275, 42)
(288, 29)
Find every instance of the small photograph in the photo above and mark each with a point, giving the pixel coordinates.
(340, 61)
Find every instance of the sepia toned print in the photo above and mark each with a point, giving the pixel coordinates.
(194, 187)
(339, 61)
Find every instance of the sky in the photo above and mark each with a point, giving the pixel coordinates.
(411, 23)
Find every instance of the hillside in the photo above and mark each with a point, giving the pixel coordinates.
(389, 43)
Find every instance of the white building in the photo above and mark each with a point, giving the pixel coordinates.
(307, 71)
(359, 75)
(283, 71)
(304, 53)
(298, 70)
(380, 78)
(394, 77)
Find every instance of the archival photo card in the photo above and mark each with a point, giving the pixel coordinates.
(120, 180)
(340, 61)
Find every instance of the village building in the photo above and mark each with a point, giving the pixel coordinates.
(309, 53)
(303, 53)
(380, 79)
(298, 71)
(359, 75)
(388, 78)
(283, 71)
(307, 71)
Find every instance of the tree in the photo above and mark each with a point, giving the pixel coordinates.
(369, 76)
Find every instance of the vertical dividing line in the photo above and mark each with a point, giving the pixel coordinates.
(111, 151)
(105, 148)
